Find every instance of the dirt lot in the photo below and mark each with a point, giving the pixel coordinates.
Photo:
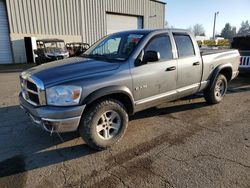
(180, 144)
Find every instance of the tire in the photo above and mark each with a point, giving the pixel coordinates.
(104, 124)
(217, 91)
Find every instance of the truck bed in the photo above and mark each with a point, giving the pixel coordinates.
(214, 51)
(214, 58)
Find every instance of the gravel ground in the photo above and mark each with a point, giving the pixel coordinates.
(185, 143)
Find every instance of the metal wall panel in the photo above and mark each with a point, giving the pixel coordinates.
(73, 20)
(95, 14)
(5, 48)
(50, 17)
(77, 17)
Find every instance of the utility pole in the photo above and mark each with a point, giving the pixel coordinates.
(215, 15)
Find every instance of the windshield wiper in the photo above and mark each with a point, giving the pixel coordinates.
(93, 56)
(101, 57)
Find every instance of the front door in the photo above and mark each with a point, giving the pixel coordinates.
(155, 80)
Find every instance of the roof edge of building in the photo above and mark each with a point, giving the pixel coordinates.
(158, 1)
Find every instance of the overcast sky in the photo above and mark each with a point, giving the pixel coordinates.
(185, 13)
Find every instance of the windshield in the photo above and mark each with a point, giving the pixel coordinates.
(55, 47)
(114, 47)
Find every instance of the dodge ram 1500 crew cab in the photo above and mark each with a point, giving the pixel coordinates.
(119, 75)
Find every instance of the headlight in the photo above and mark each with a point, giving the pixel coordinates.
(63, 95)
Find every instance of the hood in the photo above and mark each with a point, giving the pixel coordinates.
(69, 69)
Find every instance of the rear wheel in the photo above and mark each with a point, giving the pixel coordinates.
(104, 124)
(217, 91)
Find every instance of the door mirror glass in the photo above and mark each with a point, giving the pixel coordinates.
(151, 56)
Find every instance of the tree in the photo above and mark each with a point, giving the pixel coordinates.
(197, 29)
(228, 32)
(244, 29)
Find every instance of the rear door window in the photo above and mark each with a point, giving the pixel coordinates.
(184, 45)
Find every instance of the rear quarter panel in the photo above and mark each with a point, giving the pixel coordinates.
(211, 61)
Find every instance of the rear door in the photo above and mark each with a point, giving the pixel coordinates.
(189, 64)
(155, 80)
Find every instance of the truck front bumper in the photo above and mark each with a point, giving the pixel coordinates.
(53, 119)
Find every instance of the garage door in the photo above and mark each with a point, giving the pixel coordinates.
(117, 23)
(5, 49)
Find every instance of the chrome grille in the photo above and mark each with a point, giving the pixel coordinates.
(31, 86)
(245, 61)
(32, 92)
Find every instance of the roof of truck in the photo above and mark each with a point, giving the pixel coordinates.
(147, 31)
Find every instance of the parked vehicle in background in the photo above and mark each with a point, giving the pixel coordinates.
(242, 43)
(50, 50)
(123, 73)
(76, 48)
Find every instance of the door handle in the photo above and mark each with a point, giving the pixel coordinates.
(196, 63)
(171, 68)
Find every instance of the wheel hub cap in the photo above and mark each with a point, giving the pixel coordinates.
(108, 125)
(220, 89)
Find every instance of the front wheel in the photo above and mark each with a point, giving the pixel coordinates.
(104, 124)
(217, 91)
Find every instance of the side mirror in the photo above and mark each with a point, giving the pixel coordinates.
(151, 56)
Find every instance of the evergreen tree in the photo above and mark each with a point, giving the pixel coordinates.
(228, 32)
(244, 29)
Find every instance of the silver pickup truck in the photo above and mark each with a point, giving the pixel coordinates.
(122, 74)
